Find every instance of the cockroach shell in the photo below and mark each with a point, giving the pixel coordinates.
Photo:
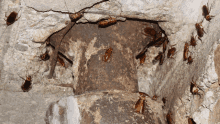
(11, 18)
(103, 23)
(75, 16)
(107, 55)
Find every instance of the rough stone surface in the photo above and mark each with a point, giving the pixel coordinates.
(20, 58)
(104, 107)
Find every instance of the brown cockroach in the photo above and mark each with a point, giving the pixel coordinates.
(154, 97)
(26, 86)
(11, 18)
(171, 52)
(142, 59)
(206, 13)
(193, 41)
(75, 16)
(165, 44)
(45, 56)
(157, 58)
(191, 121)
(107, 22)
(164, 100)
(185, 52)
(140, 104)
(162, 58)
(61, 61)
(169, 118)
(190, 60)
(200, 30)
(194, 88)
(107, 55)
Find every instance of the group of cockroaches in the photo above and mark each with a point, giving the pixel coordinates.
(27, 85)
(194, 88)
(157, 42)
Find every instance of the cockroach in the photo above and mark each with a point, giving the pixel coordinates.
(206, 13)
(185, 52)
(157, 58)
(26, 86)
(193, 41)
(190, 60)
(165, 44)
(107, 55)
(107, 22)
(164, 100)
(168, 117)
(142, 59)
(191, 121)
(162, 58)
(200, 30)
(76, 16)
(194, 88)
(140, 104)
(154, 97)
(45, 56)
(171, 52)
(11, 18)
(150, 31)
(61, 61)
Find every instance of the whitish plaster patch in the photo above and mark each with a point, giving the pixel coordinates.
(73, 114)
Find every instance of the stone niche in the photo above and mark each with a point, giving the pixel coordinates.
(92, 74)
